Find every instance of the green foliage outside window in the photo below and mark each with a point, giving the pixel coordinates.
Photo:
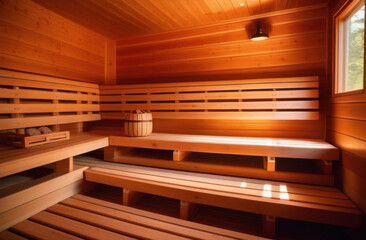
(355, 51)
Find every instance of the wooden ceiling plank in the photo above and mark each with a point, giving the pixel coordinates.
(120, 19)
(266, 6)
(121, 10)
(254, 7)
(142, 6)
(240, 7)
(228, 8)
(115, 16)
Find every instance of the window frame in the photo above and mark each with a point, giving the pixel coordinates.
(339, 21)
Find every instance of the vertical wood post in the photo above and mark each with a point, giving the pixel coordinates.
(112, 153)
(55, 128)
(65, 165)
(188, 209)
(180, 155)
(17, 115)
(130, 197)
(269, 226)
(269, 163)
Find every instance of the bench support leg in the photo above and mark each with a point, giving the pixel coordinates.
(130, 196)
(180, 155)
(326, 167)
(65, 165)
(269, 163)
(188, 209)
(269, 226)
(111, 153)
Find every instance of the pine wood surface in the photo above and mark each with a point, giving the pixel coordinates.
(241, 99)
(308, 208)
(17, 160)
(36, 40)
(118, 20)
(36, 100)
(277, 147)
(85, 217)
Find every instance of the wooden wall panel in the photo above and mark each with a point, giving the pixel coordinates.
(224, 51)
(36, 40)
(346, 127)
(297, 47)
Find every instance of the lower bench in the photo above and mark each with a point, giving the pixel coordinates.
(85, 217)
(271, 199)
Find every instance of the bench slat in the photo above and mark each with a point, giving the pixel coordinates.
(275, 193)
(164, 218)
(140, 220)
(75, 227)
(277, 147)
(38, 231)
(18, 160)
(319, 213)
(108, 223)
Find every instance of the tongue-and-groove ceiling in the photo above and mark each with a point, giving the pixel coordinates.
(118, 19)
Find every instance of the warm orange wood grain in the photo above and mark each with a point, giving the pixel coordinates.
(34, 39)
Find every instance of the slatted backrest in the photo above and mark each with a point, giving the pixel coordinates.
(275, 98)
(28, 100)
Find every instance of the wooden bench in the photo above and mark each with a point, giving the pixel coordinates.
(18, 160)
(268, 148)
(269, 101)
(30, 100)
(85, 217)
(271, 199)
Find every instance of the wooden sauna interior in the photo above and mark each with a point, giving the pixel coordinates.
(251, 139)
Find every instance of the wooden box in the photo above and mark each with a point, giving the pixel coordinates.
(24, 141)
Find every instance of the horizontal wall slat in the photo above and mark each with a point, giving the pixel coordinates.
(245, 62)
(350, 127)
(186, 88)
(44, 85)
(348, 110)
(14, 123)
(227, 49)
(219, 105)
(212, 95)
(37, 94)
(215, 83)
(226, 115)
(347, 143)
(44, 108)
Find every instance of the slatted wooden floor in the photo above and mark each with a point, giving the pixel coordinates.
(81, 217)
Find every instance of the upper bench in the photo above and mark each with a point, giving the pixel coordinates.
(255, 146)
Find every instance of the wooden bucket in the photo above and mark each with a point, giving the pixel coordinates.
(138, 123)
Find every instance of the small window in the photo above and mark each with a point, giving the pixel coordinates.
(351, 39)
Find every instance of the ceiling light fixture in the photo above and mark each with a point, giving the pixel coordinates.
(259, 35)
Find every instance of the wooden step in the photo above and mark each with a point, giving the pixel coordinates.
(292, 201)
